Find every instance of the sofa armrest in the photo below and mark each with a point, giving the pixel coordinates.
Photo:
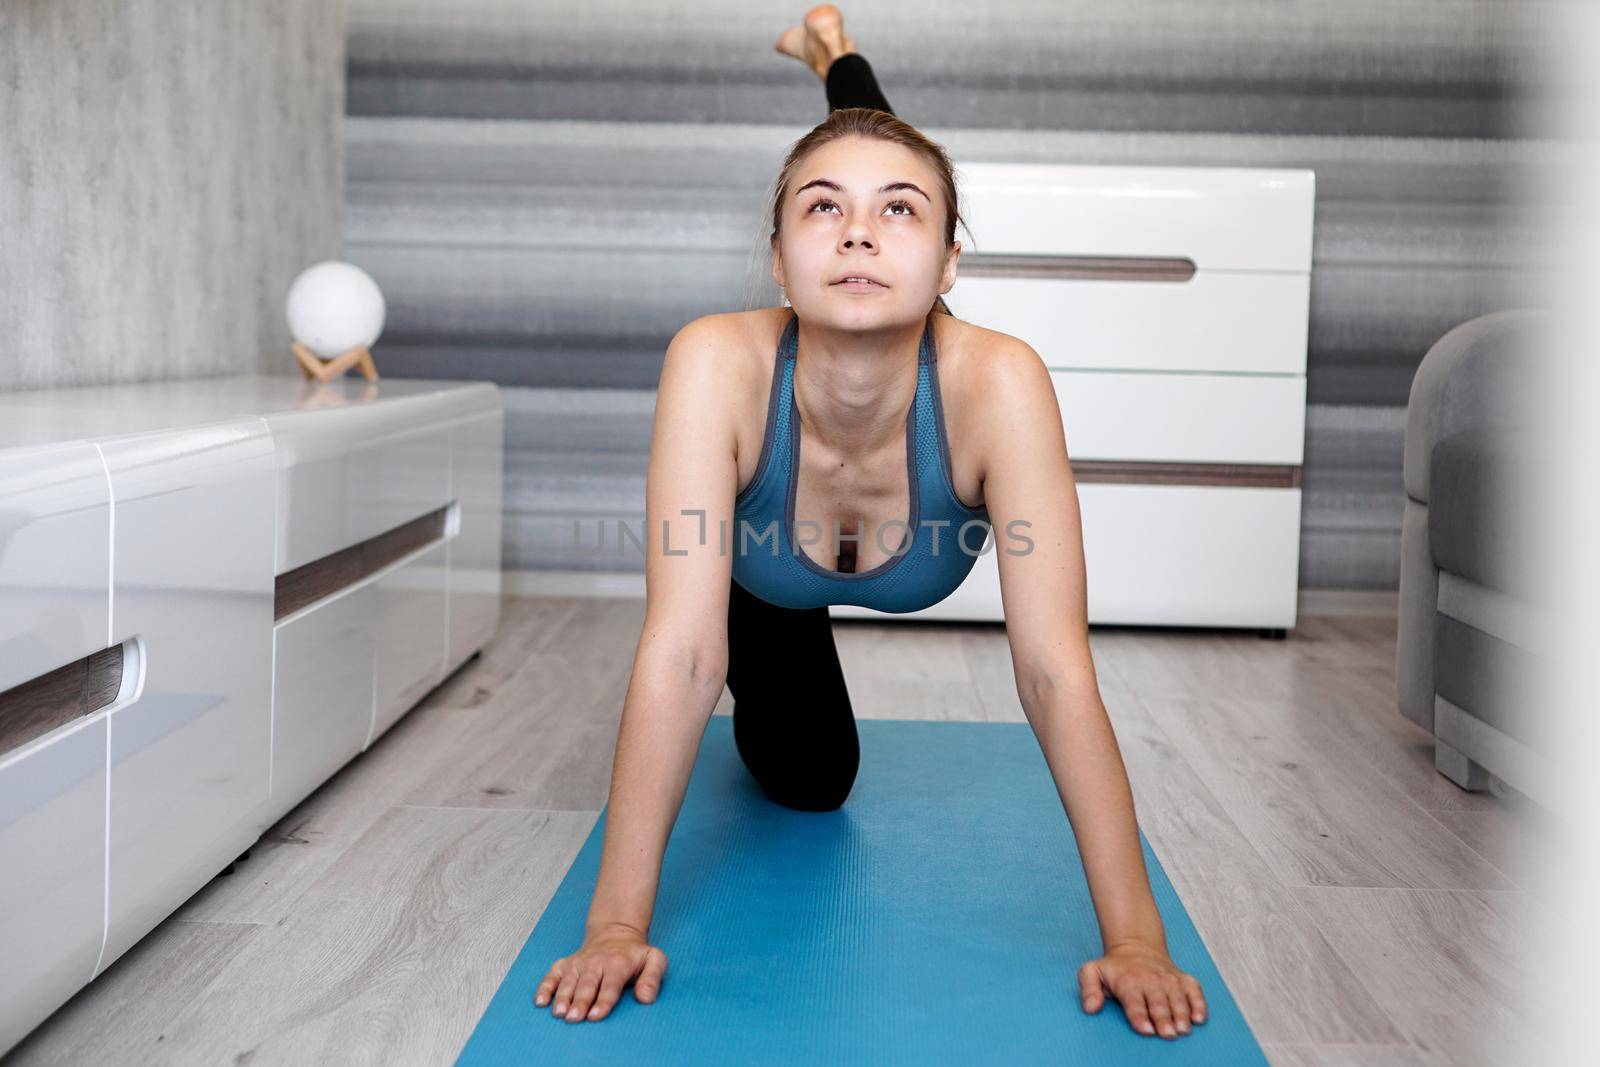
(1484, 372)
(1483, 512)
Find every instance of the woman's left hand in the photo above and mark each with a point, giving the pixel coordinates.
(1155, 995)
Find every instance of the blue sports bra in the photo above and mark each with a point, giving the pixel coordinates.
(949, 536)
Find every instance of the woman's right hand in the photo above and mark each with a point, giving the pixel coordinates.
(588, 982)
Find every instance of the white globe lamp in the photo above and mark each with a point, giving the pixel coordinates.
(335, 313)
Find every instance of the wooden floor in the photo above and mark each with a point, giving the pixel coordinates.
(1361, 908)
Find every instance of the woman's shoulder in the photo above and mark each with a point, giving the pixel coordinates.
(735, 339)
(738, 327)
(976, 359)
(721, 366)
(729, 340)
(961, 339)
(991, 382)
(737, 348)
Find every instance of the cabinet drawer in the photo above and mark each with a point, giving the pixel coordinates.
(1191, 555)
(193, 579)
(335, 494)
(1163, 555)
(1251, 322)
(322, 693)
(55, 559)
(476, 474)
(1182, 418)
(52, 872)
(410, 633)
(1220, 218)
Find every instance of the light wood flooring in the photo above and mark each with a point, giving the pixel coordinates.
(1361, 908)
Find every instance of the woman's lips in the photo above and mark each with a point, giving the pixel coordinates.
(859, 287)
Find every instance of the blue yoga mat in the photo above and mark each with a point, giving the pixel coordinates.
(939, 917)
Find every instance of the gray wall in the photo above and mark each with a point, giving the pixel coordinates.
(548, 191)
(166, 168)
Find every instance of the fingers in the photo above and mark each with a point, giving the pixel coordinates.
(1090, 991)
(563, 997)
(1159, 1004)
(541, 996)
(610, 989)
(583, 995)
(1179, 1001)
(588, 986)
(1197, 1000)
(649, 983)
(1133, 1006)
(1160, 1010)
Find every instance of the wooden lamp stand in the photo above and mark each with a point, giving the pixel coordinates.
(312, 366)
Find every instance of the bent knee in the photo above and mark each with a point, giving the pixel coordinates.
(817, 797)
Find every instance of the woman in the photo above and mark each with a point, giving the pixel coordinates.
(863, 245)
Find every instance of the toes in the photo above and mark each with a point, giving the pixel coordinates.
(791, 42)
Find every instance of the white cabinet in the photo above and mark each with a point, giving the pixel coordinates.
(285, 569)
(1171, 307)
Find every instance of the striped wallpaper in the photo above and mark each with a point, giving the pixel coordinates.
(546, 192)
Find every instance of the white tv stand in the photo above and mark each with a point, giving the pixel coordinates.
(213, 594)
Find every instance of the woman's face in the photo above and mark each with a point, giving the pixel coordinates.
(864, 207)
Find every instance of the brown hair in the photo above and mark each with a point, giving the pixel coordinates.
(882, 126)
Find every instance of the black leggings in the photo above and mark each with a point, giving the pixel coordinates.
(850, 84)
(792, 720)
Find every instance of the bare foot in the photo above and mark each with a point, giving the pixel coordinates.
(818, 41)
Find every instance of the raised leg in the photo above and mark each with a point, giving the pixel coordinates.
(850, 83)
(792, 720)
(821, 44)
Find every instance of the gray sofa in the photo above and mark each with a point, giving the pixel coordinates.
(1474, 621)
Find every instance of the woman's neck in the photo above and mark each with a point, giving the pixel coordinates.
(853, 390)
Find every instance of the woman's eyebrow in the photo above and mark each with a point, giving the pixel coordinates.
(890, 188)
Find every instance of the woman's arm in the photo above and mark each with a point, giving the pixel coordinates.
(681, 662)
(678, 669)
(1028, 481)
